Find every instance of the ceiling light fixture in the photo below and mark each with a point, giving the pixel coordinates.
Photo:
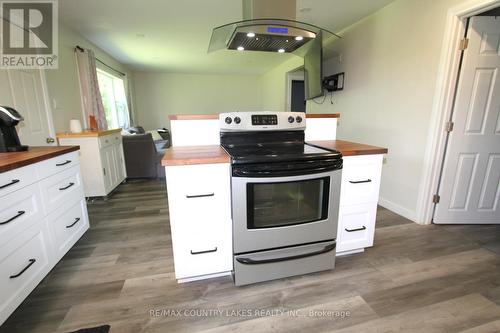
(240, 48)
(281, 51)
(299, 38)
(250, 34)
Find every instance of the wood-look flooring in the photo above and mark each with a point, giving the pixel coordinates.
(415, 279)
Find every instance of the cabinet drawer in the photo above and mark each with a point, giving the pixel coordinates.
(356, 226)
(67, 226)
(13, 180)
(199, 192)
(108, 140)
(18, 211)
(24, 262)
(361, 179)
(64, 187)
(201, 251)
(116, 138)
(57, 164)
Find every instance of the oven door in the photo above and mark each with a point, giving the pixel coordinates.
(274, 212)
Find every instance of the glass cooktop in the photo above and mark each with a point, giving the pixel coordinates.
(259, 153)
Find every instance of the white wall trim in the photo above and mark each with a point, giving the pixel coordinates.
(398, 209)
(48, 106)
(443, 102)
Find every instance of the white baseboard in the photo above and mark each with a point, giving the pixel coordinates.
(398, 209)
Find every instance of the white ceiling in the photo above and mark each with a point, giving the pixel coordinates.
(173, 36)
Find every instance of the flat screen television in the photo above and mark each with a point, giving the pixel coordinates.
(313, 69)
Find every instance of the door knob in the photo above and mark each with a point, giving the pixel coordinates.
(50, 140)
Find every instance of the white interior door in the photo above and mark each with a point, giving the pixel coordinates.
(470, 183)
(25, 91)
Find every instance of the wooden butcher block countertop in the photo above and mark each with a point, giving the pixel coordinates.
(187, 155)
(348, 148)
(87, 134)
(10, 161)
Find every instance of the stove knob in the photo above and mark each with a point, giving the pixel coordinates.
(299, 119)
(290, 119)
(228, 120)
(237, 120)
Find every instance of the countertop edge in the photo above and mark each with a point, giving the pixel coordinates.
(59, 150)
(213, 154)
(192, 155)
(349, 148)
(87, 134)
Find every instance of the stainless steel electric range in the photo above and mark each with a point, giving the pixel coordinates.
(285, 196)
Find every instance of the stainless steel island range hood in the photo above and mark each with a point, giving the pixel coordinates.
(268, 26)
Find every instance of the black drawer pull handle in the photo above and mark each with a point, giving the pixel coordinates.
(14, 181)
(360, 181)
(249, 261)
(72, 224)
(358, 229)
(66, 187)
(19, 213)
(201, 252)
(200, 195)
(32, 261)
(63, 163)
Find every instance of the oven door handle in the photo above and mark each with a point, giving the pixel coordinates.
(238, 172)
(248, 261)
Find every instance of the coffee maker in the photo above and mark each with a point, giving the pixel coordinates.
(9, 141)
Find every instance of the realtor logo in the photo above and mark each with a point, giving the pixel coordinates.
(29, 34)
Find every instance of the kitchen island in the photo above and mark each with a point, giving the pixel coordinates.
(199, 193)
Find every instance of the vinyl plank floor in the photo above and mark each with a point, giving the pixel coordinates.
(416, 278)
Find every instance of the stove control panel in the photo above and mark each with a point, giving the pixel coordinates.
(262, 121)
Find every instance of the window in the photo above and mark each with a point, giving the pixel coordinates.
(114, 99)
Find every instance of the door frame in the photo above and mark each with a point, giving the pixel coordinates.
(443, 101)
(295, 74)
(46, 102)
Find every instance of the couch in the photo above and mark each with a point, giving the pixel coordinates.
(143, 154)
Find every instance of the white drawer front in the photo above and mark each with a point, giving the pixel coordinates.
(65, 187)
(361, 179)
(24, 262)
(19, 210)
(13, 180)
(108, 140)
(202, 250)
(57, 164)
(67, 226)
(116, 138)
(356, 226)
(199, 192)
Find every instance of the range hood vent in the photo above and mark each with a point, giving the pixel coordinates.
(269, 35)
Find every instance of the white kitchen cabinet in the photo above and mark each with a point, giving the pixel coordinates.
(102, 160)
(199, 200)
(358, 202)
(195, 132)
(320, 128)
(200, 130)
(42, 215)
